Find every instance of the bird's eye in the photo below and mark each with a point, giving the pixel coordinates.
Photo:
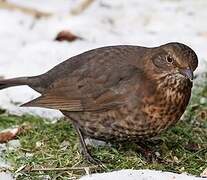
(169, 59)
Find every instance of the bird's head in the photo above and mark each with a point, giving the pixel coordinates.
(174, 59)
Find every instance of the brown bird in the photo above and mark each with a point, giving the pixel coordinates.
(118, 93)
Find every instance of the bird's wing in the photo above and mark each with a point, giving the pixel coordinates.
(75, 104)
(91, 87)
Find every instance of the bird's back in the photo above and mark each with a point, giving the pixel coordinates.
(96, 61)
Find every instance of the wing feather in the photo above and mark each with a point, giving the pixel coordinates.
(87, 104)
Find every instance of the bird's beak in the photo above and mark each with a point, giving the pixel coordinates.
(187, 73)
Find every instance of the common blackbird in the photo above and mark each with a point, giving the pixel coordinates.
(117, 93)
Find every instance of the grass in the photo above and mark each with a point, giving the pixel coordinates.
(52, 145)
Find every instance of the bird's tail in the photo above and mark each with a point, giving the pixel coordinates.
(5, 83)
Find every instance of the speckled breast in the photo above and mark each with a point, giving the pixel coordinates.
(166, 108)
(155, 114)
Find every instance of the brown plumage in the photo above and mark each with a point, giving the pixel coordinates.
(118, 93)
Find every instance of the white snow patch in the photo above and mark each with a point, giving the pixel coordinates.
(140, 175)
(13, 144)
(4, 165)
(6, 176)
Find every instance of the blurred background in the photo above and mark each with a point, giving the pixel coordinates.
(36, 35)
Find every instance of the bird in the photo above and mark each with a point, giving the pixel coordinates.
(117, 93)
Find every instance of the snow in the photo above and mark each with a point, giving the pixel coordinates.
(6, 176)
(140, 175)
(52, 6)
(27, 45)
(4, 165)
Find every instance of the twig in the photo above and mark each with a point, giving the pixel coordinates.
(26, 10)
(62, 169)
(81, 7)
(20, 169)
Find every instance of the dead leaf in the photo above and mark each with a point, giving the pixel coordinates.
(193, 147)
(204, 173)
(8, 134)
(66, 36)
(202, 114)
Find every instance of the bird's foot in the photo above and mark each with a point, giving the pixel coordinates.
(91, 159)
(86, 154)
(146, 149)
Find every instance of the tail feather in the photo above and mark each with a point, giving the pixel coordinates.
(13, 82)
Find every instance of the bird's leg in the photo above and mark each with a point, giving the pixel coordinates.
(83, 147)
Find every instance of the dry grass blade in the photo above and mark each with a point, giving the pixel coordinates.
(26, 10)
(81, 7)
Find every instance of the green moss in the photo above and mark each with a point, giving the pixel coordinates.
(45, 144)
